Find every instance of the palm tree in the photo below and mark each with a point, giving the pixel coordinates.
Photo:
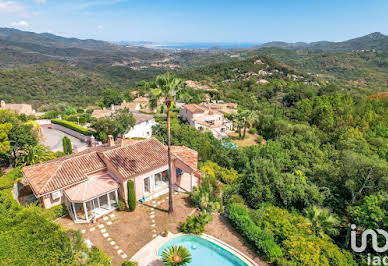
(35, 154)
(243, 120)
(176, 256)
(166, 86)
(322, 221)
(249, 119)
(238, 123)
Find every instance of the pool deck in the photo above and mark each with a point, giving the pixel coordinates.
(148, 255)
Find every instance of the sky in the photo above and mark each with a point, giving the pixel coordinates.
(199, 20)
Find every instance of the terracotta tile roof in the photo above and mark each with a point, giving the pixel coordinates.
(187, 155)
(64, 171)
(96, 184)
(141, 117)
(138, 158)
(129, 158)
(102, 113)
(194, 108)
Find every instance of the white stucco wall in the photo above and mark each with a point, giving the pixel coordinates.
(141, 130)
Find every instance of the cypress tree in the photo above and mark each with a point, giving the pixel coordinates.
(66, 143)
(131, 195)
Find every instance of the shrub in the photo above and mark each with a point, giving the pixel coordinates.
(208, 195)
(195, 224)
(97, 257)
(121, 205)
(301, 246)
(131, 195)
(252, 130)
(7, 181)
(56, 211)
(228, 176)
(236, 199)
(262, 240)
(259, 139)
(72, 126)
(130, 263)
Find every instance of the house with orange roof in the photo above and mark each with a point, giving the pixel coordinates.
(90, 183)
(206, 117)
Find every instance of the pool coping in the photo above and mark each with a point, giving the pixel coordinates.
(231, 249)
(148, 254)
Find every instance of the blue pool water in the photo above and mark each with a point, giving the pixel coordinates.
(204, 252)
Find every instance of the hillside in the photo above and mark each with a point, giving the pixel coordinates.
(258, 78)
(365, 71)
(52, 83)
(375, 40)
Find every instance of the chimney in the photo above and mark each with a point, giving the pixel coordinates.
(112, 107)
(92, 141)
(111, 141)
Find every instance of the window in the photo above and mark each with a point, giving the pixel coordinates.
(104, 202)
(161, 179)
(113, 199)
(147, 185)
(79, 211)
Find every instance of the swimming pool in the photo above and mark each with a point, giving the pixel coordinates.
(204, 252)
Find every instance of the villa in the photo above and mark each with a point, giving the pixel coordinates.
(90, 183)
(18, 108)
(206, 117)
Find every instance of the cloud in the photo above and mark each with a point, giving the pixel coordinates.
(8, 7)
(20, 24)
(100, 27)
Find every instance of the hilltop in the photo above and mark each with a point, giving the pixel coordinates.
(375, 40)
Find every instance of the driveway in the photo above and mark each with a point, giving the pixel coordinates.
(52, 138)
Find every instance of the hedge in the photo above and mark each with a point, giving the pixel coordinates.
(131, 195)
(72, 126)
(261, 240)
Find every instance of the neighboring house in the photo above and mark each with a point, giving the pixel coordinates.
(143, 125)
(91, 182)
(142, 128)
(131, 106)
(18, 108)
(204, 117)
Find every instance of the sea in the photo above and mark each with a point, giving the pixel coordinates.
(205, 45)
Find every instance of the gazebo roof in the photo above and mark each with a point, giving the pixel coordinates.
(96, 185)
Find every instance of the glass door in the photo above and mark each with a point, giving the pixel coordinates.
(104, 202)
(147, 185)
